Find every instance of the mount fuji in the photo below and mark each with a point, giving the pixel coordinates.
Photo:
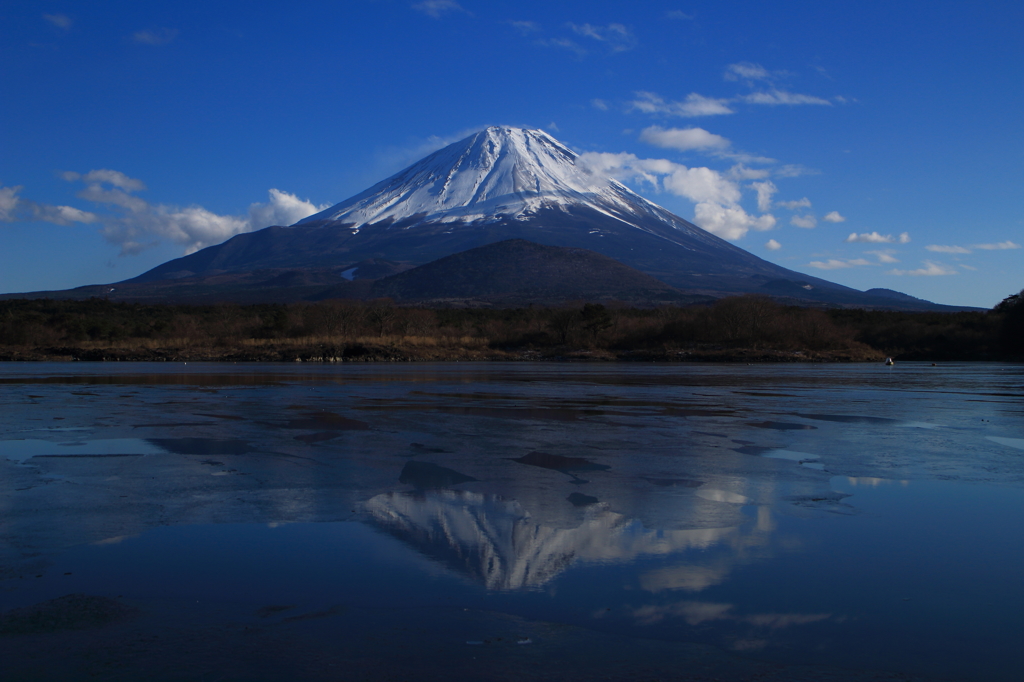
(499, 184)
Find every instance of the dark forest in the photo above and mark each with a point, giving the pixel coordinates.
(741, 328)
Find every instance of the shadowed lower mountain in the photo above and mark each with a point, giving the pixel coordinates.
(517, 272)
(509, 273)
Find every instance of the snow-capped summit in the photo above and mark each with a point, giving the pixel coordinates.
(499, 171)
(497, 174)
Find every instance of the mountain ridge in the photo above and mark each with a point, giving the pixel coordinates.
(498, 184)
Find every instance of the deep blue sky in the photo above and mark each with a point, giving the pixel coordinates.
(889, 118)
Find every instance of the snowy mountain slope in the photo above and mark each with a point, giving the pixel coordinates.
(496, 175)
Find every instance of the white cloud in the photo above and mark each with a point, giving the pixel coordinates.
(282, 209)
(525, 27)
(1001, 246)
(110, 177)
(930, 269)
(624, 166)
(599, 104)
(876, 238)
(885, 256)
(683, 139)
(968, 267)
(14, 208)
(747, 71)
(805, 221)
(729, 222)
(618, 37)
(678, 14)
(694, 105)
(794, 205)
(946, 249)
(134, 224)
(743, 157)
(63, 215)
(703, 185)
(772, 245)
(765, 191)
(776, 97)
(716, 196)
(565, 44)
(741, 172)
(794, 170)
(9, 202)
(438, 8)
(59, 20)
(834, 217)
(836, 264)
(159, 36)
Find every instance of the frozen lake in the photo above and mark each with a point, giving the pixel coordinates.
(511, 521)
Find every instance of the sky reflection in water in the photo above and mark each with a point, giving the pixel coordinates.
(856, 517)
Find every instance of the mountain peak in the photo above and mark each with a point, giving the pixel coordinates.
(499, 172)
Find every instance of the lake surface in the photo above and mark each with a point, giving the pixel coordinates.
(512, 521)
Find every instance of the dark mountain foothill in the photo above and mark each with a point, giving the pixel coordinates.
(426, 476)
(516, 272)
(559, 462)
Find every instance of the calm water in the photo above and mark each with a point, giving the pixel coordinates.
(512, 521)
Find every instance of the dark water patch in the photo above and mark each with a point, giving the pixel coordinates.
(829, 501)
(273, 610)
(782, 426)
(562, 414)
(554, 414)
(709, 433)
(318, 437)
(202, 446)
(581, 500)
(465, 396)
(212, 462)
(674, 482)
(232, 417)
(114, 454)
(312, 615)
(763, 394)
(559, 462)
(424, 475)
(170, 425)
(326, 421)
(159, 379)
(755, 450)
(695, 412)
(848, 418)
(420, 448)
(84, 393)
(70, 612)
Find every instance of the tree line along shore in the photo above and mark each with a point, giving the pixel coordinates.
(741, 328)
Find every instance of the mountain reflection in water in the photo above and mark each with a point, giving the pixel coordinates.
(496, 541)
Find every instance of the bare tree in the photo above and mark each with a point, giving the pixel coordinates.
(381, 313)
